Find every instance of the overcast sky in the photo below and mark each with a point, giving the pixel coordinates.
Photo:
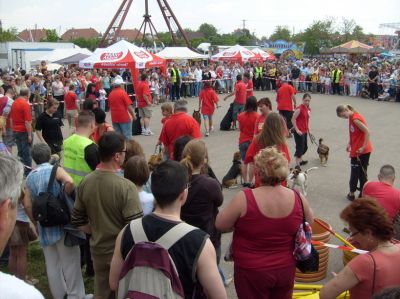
(261, 16)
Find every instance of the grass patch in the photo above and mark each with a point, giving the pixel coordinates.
(37, 270)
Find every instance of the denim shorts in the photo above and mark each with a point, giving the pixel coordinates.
(237, 108)
(207, 116)
(124, 129)
(243, 149)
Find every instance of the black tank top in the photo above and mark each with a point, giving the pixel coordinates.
(184, 253)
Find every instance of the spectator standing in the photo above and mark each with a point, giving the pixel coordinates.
(11, 172)
(240, 99)
(180, 123)
(102, 213)
(6, 103)
(122, 112)
(286, 99)
(71, 105)
(144, 101)
(62, 262)
(21, 124)
(373, 77)
(57, 88)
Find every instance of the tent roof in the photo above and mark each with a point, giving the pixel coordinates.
(180, 53)
(58, 54)
(353, 46)
(235, 53)
(73, 59)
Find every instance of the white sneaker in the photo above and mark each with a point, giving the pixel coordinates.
(212, 128)
(144, 131)
(149, 133)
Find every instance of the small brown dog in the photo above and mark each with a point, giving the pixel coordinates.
(156, 158)
(323, 152)
(230, 179)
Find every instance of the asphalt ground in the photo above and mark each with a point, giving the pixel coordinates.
(327, 186)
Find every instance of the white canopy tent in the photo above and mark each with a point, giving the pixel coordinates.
(58, 54)
(177, 53)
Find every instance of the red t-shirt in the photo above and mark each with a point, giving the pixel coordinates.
(284, 97)
(96, 132)
(259, 124)
(240, 93)
(179, 124)
(387, 272)
(20, 113)
(254, 149)
(387, 196)
(165, 118)
(250, 85)
(208, 97)
(142, 89)
(357, 136)
(261, 242)
(247, 122)
(119, 101)
(70, 99)
(303, 118)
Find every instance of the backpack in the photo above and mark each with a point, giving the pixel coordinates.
(49, 209)
(148, 271)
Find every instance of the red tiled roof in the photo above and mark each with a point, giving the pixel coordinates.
(36, 34)
(129, 34)
(79, 33)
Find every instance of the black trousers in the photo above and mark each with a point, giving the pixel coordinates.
(287, 115)
(373, 90)
(60, 109)
(358, 172)
(301, 144)
(335, 88)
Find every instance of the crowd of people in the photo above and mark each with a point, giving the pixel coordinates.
(115, 202)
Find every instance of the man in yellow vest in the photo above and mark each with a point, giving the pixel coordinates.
(80, 152)
(258, 72)
(336, 75)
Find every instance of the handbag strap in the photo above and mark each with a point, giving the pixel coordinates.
(297, 195)
(52, 177)
(374, 274)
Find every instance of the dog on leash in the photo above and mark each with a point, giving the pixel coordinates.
(299, 178)
(323, 152)
(230, 179)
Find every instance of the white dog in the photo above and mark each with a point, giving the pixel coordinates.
(297, 177)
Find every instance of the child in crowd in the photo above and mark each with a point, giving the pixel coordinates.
(328, 83)
(155, 90)
(364, 92)
(102, 96)
(341, 85)
(302, 84)
(166, 111)
(322, 84)
(137, 171)
(314, 82)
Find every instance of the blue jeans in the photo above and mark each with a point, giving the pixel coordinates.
(197, 88)
(124, 129)
(102, 105)
(24, 150)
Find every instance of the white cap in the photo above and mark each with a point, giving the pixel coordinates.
(118, 81)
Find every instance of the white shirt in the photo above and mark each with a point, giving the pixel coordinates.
(15, 288)
(147, 202)
(198, 73)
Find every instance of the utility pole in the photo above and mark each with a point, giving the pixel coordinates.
(244, 24)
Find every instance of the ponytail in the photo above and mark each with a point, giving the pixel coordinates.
(187, 163)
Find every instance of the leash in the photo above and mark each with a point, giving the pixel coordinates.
(312, 138)
(362, 167)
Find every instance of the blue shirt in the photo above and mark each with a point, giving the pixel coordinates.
(37, 182)
(42, 89)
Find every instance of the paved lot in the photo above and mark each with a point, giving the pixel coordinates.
(328, 186)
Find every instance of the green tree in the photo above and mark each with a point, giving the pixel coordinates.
(358, 33)
(346, 29)
(281, 32)
(90, 43)
(51, 36)
(208, 30)
(8, 35)
(317, 35)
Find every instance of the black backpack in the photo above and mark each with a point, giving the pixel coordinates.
(49, 209)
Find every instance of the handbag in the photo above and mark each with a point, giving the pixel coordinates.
(155, 158)
(304, 252)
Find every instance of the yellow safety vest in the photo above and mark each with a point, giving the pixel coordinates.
(174, 78)
(74, 157)
(259, 70)
(336, 76)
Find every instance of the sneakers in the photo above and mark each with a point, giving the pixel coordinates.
(303, 162)
(351, 197)
(207, 134)
(147, 132)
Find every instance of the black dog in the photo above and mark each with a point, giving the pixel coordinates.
(230, 179)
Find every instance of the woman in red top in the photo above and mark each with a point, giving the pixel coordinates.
(208, 100)
(367, 274)
(101, 125)
(300, 120)
(265, 107)
(272, 134)
(359, 147)
(265, 222)
(247, 120)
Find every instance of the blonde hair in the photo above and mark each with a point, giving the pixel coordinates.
(272, 167)
(166, 107)
(344, 107)
(194, 155)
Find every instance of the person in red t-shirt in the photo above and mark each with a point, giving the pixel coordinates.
(122, 112)
(286, 99)
(208, 101)
(179, 124)
(71, 105)
(240, 99)
(359, 147)
(265, 107)
(249, 85)
(247, 120)
(21, 124)
(384, 192)
(144, 100)
(300, 121)
(272, 134)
